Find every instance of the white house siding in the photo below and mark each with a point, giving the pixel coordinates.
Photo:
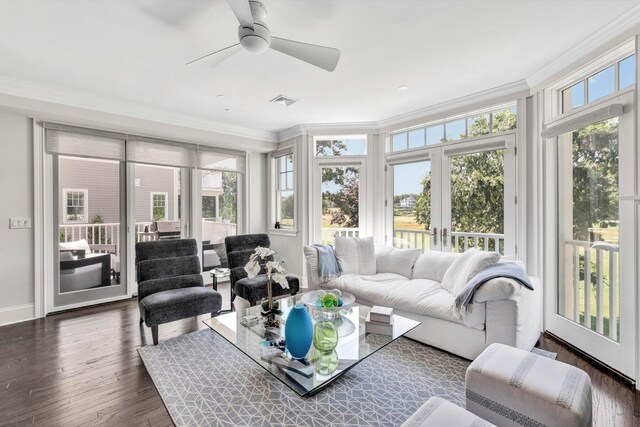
(154, 179)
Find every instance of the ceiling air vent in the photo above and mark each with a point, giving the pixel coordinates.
(283, 100)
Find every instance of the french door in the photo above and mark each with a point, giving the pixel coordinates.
(454, 197)
(591, 218)
(339, 199)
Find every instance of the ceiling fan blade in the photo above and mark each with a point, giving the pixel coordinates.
(320, 56)
(223, 54)
(242, 10)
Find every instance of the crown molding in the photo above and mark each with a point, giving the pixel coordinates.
(70, 98)
(623, 27)
(496, 95)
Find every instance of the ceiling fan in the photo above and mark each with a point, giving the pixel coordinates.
(254, 36)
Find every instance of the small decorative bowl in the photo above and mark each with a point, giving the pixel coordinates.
(311, 299)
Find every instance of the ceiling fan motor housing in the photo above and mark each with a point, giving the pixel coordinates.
(256, 40)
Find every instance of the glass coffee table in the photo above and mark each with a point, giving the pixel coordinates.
(255, 340)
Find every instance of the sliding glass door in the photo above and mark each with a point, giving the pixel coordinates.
(89, 249)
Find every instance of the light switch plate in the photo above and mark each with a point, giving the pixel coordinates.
(17, 223)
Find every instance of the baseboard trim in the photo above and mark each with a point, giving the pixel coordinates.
(18, 313)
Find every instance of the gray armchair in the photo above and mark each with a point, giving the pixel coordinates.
(239, 249)
(170, 286)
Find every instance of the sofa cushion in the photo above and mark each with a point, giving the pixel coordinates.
(433, 265)
(81, 244)
(470, 263)
(419, 296)
(356, 255)
(394, 260)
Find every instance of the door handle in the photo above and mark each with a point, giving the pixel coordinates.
(434, 233)
(444, 237)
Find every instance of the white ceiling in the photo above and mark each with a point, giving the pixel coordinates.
(131, 54)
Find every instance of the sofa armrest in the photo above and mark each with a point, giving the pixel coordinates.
(497, 289)
(311, 257)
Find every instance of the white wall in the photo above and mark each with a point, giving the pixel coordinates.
(256, 193)
(16, 200)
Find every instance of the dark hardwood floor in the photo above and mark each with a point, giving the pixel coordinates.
(82, 368)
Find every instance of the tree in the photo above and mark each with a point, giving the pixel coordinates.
(477, 183)
(595, 177)
(229, 197)
(343, 205)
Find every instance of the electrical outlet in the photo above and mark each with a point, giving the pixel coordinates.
(18, 223)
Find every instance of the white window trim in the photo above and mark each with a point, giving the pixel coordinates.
(274, 189)
(65, 191)
(352, 137)
(166, 202)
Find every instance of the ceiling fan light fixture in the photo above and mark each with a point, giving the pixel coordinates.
(256, 39)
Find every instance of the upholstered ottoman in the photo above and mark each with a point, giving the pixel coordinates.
(512, 387)
(438, 412)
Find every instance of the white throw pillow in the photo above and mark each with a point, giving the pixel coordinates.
(394, 260)
(76, 245)
(470, 263)
(356, 255)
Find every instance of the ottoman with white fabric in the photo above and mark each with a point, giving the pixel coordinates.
(438, 412)
(512, 387)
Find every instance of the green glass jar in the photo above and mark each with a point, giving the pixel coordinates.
(325, 362)
(325, 336)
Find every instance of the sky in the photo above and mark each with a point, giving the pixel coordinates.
(407, 178)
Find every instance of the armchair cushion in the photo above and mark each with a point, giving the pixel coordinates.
(255, 289)
(168, 267)
(176, 304)
(165, 249)
(81, 244)
(152, 286)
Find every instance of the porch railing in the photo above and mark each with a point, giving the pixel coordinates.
(460, 241)
(329, 233)
(594, 267)
(109, 233)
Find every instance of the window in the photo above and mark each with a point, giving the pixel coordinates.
(285, 196)
(159, 206)
(353, 145)
(75, 204)
(494, 120)
(600, 84)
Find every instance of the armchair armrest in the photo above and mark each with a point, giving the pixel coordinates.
(497, 289)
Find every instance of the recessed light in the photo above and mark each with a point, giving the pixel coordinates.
(403, 87)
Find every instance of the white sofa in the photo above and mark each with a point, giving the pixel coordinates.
(501, 310)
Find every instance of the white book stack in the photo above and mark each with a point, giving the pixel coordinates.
(379, 321)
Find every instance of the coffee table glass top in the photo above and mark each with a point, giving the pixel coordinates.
(354, 345)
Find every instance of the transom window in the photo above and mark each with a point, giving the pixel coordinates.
(353, 145)
(285, 196)
(75, 206)
(159, 206)
(615, 77)
(497, 119)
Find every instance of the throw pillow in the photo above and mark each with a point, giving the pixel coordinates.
(356, 255)
(470, 263)
(398, 261)
(75, 245)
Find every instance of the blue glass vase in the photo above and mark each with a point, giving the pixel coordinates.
(298, 331)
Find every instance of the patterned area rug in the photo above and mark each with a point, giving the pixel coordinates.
(205, 381)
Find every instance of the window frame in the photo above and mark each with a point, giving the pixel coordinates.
(85, 192)
(466, 117)
(354, 137)
(274, 190)
(166, 203)
(279, 190)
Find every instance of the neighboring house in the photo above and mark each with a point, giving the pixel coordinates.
(408, 202)
(88, 188)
